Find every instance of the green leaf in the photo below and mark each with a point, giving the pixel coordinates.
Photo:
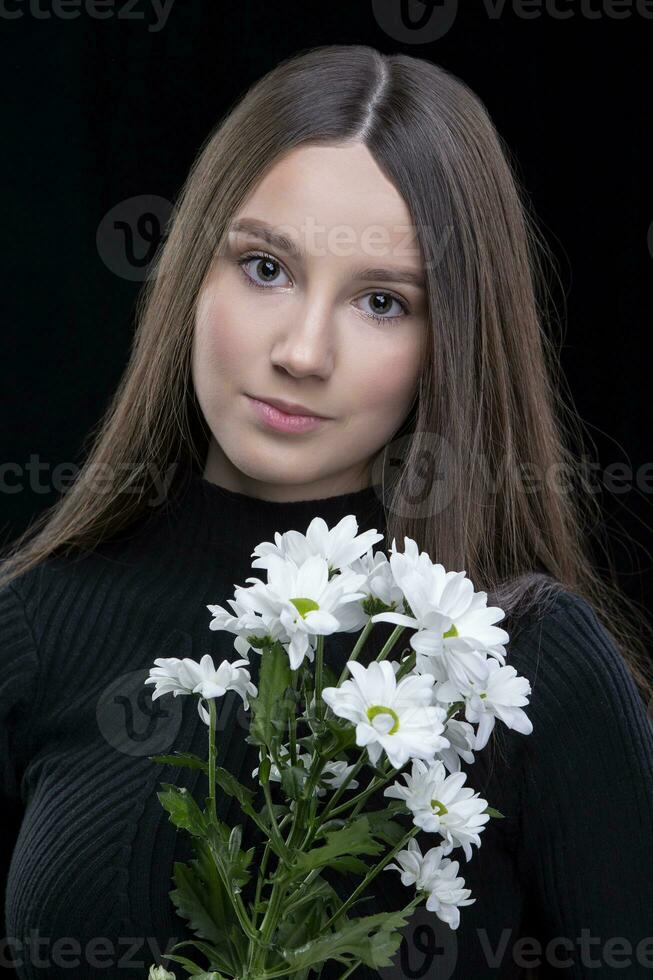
(316, 890)
(383, 825)
(294, 931)
(232, 787)
(292, 781)
(350, 863)
(201, 899)
(274, 677)
(184, 811)
(231, 860)
(193, 969)
(235, 839)
(181, 759)
(342, 734)
(213, 954)
(371, 939)
(356, 838)
(493, 812)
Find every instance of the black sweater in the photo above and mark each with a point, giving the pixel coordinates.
(87, 887)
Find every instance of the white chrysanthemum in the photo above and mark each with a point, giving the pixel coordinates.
(411, 556)
(245, 621)
(441, 804)
(461, 665)
(379, 587)
(397, 718)
(333, 773)
(501, 694)
(159, 973)
(175, 676)
(437, 875)
(295, 606)
(461, 737)
(454, 623)
(303, 759)
(339, 546)
(304, 601)
(214, 683)
(165, 677)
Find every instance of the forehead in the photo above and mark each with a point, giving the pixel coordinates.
(332, 198)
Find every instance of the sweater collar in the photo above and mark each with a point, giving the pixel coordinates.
(218, 520)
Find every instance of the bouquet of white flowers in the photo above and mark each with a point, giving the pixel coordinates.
(314, 740)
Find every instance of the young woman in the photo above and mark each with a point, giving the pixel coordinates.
(352, 244)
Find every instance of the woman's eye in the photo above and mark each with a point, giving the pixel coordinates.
(266, 269)
(382, 306)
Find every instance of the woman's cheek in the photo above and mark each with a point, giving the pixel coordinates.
(388, 385)
(225, 343)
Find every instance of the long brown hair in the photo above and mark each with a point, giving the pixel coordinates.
(491, 396)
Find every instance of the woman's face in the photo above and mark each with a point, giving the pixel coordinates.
(293, 320)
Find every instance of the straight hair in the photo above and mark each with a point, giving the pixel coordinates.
(491, 398)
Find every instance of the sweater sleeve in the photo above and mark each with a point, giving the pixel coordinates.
(18, 673)
(586, 830)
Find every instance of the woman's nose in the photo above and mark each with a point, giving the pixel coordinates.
(306, 345)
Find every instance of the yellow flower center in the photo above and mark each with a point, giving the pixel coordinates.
(439, 807)
(451, 632)
(304, 606)
(387, 716)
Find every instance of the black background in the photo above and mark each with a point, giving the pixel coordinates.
(96, 112)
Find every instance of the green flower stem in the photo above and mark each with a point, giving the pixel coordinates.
(292, 724)
(392, 639)
(360, 798)
(262, 870)
(283, 971)
(212, 753)
(453, 708)
(367, 629)
(270, 918)
(268, 925)
(407, 665)
(317, 766)
(257, 897)
(236, 900)
(350, 969)
(275, 832)
(356, 801)
(311, 876)
(234, 897)
(370, 877)
(319, 658)
(328, 810)
(298, 818)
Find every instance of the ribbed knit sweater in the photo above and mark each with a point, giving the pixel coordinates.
(88, 865)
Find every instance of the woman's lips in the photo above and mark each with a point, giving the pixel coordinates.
(281, 421)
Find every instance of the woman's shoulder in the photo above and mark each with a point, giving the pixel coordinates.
(583, 696)
(584, 775)
(70, 566)
(564, 634)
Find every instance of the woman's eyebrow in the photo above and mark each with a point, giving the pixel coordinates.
(282, 243)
